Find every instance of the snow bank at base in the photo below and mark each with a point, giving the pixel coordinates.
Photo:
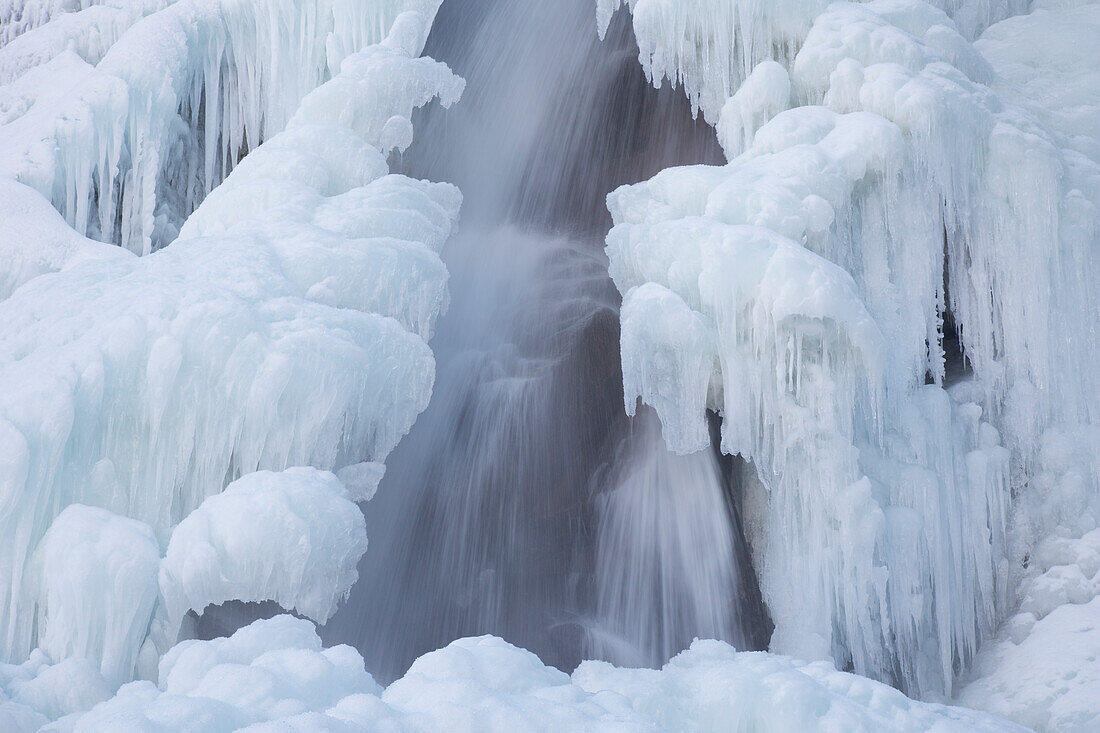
(274, 676)
(876, 187)
(1043, 667)
(291, 331)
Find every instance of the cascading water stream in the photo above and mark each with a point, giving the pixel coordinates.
(525, 503)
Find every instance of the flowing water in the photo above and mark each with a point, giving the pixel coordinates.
(525, 503)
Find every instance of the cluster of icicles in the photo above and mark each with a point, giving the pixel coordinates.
(875, 188)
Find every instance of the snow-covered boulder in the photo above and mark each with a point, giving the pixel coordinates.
(293, 537)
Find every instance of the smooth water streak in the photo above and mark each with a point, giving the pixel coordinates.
(525, 503)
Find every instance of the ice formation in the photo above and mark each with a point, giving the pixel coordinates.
(709, 47)
(96, 574)
(288, 331)
(33, 32)
(293, 537)
(890, 185)
(198, 84)
(35, 240)
(877, 186)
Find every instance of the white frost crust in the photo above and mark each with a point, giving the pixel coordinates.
(902, 155)
(294, 336)
(275, 676)
(293, 537)
(128, 151)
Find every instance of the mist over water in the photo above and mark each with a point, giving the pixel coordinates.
(524, 503)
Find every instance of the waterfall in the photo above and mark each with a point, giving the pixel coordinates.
(525, 503)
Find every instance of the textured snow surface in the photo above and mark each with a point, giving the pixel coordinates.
(35, 239)
(274, 676)
(882, 177)
(288, 328)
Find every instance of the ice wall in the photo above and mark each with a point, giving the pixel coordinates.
(128, 149)
(288, 332)
(877, 187)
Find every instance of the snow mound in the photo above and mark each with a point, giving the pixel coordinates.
(42, 691)
(274, 676)
(711, 686)
(293, 537)
(271, 670)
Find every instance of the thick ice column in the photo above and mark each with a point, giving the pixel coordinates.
(95, 577)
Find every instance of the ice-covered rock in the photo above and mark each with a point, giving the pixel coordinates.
(293, 537)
